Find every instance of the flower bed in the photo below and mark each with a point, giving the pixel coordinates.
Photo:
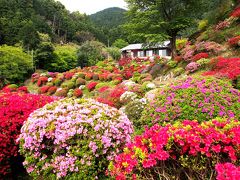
(192, 98)
(73, 138)
(14, 110)
(186, 150)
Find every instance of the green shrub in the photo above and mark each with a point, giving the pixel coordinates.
(62, 93)
(90, 53)
(80, 81)
(95, 77)
(68, 84)
(203, 62)
(15, 65)
(172, 64)
(178, 71)
(100, 85)
(12, 86)
(201, 98)
(68, 55)
(114, 52)
(57, 82)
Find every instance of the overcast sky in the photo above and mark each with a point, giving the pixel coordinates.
(91, 6)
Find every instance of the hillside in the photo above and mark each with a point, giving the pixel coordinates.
(109, 21)
(109, 18)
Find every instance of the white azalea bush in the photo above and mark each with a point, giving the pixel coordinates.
(134, 110)
(73, 139)
(127, 97)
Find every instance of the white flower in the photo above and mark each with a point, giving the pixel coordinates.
(143, 101)
(59, 89)
(127, 97)
(151, 86)
(50, 79)
(43, 74)
(82, 87)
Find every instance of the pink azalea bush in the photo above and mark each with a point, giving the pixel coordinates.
(73, 138)
(186, 150)
(192, 66)
(200, 98)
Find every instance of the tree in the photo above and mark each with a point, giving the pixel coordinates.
(90, 53)
(120, 43)
(154, 21)
(44, 56)
(15, 65)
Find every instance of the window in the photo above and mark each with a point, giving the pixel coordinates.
(140, 53)
(149, 53)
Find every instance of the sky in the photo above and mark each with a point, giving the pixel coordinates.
(91, 6)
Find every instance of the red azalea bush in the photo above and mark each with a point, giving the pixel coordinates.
(68, 75)
(235, 41)
(236, 12)
(200, 56)
(227, 171)
(42, 80)
(91, 86)
(14, 110)
(77, 93)
(227, 67)
(186, 150)
(52, 90)
(44, 89)
(124, 61)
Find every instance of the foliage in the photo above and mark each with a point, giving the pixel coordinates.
(109, 21)
(15, 108)
(76, 139)
(66, 58)
(192, 98)
(226, 67)
(15, 65)
(172, 64)
(114, 53)
(155, 21)
(90, 53)
(120, 43)
(45, 57)
(186, 150)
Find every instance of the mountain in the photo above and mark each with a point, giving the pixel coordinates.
(109, 18)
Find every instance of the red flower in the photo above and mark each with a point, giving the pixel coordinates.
(199, 56)
(91, 86)
(236, 12)
(14, 110)
(234, 41)
(78, 92)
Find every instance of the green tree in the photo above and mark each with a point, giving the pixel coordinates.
(90, 53)
(157, 20)
(114, 52)
(15, 65)
(44, 56)
(120, 43)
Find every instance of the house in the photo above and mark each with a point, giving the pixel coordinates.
(143, 51)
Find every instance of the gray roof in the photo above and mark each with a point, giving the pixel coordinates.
(143, 46)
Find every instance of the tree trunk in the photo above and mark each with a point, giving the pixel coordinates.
(173, 45)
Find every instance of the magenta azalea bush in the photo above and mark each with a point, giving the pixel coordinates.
(187, 150)
(192, 98)
(73, 138)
